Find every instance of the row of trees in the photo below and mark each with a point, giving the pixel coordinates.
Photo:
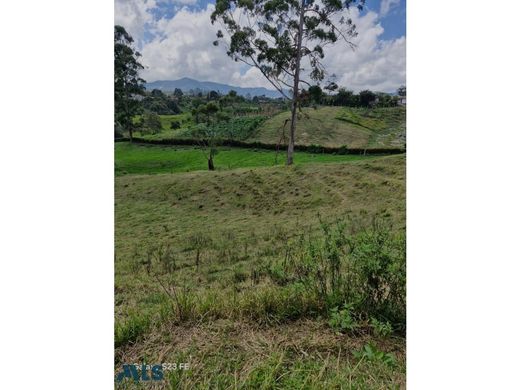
(347, 98)
(279, 38)
(160, 103)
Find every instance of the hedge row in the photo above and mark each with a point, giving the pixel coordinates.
(260, 145)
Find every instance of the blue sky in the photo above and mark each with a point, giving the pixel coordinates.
(175, 38)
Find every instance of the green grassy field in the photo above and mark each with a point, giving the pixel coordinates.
(211, 268)
(130, 158)
(336, 126)
(325, 126)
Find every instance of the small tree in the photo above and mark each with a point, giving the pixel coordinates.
(151, 123)
(276, 36)
(366, 98)
(213, 95)
(208, 115)
(316, 94)
(178, 93)
(127, 83)
(345, 97)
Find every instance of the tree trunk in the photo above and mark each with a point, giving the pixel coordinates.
(129, 119)
(211, 166)
(290, 148)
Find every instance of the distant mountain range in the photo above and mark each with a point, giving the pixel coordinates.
(186, 84)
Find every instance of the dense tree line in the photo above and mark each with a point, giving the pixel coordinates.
(347, 98)
(160, 103)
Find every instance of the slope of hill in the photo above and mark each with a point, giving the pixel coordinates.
(186, 84)
(337, 126)
(214, 241)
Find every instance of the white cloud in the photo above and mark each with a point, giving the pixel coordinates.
(185, 2)
(134, 15)
(386, 6)
(374, 64)
(183, 47)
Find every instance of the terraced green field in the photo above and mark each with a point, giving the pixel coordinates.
(337, 126)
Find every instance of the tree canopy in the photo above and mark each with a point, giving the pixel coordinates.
(279, 37)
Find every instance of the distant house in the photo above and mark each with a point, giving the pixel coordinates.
(402, 101)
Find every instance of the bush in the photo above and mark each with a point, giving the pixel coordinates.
(379, 259)
(371, 353)
(342, 320)
(381, 329)
(175, 125)
(365, 270)
(150, 123)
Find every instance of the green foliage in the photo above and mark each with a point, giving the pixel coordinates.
(238, 128)
(366, 98)
(379, 259)
(346, 98)
(341, 320)
(316, 94)
(160, 103)
(381, 328)
(178, 93)
(366, 270)
(270, 43)
(371, 353)
(130, 330)
(277, 273)
(281, 37)
(150, 123)
(127, 83)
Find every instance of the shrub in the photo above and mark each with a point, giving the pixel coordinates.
(342, 320)
(371, 353)
(150, 123)
(366, 270)
(379, 261)
(381, 329)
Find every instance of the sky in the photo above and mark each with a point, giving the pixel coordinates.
(175, 39)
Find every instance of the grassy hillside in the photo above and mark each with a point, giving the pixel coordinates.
(167, 132)
(130, 158)
(336, 126)
(203, 274)
(325, 126)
